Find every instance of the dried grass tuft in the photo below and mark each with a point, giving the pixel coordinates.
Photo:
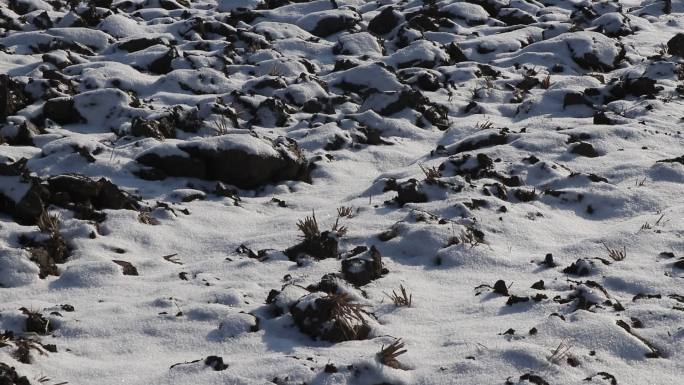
(388, 355)
(309, 227)
(403, 298)
(616, 254)
(431, 173)
(48, 223)
(347, 314)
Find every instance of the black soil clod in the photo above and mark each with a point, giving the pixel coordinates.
(36, 323)
(9, 376)
(216, 363)
(360, 270)
(500, 287)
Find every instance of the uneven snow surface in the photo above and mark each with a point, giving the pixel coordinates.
(517, 166)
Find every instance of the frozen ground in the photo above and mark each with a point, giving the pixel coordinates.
(516, 166)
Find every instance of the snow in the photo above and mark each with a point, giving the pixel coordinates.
(493, 196)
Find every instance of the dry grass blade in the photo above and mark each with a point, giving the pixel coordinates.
(431, 173)
(345, 211)
(559, 353)
(401, 299)
(466, 237)
(173, 259)
(309, 227)
(347, 314)
(484, 125)
(546, 82)
(275, 71)
(342, 212)
(615, 254)
(23, 351)
(388, 355)
(146, 218)
(221, 126)
(48, 223)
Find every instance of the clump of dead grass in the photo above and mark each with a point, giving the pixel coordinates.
(347, 314)
(403, 298)
(388, 355)
(616, 254)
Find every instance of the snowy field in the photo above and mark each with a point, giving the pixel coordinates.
(342, 192)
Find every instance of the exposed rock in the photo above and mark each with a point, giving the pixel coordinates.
(384, 22)
(67, 190)
(9, 376)
(407, 191)
(675, 46)
(162, 65)
(584, 149)
(62, 111)
(321, 247)
(361, 269)
(238, 159)
(12, 97)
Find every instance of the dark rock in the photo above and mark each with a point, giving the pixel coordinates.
(591, 61)
(603, 118)
(371, 136)
(30, 206)
(215, 363)
(329, 283)
(500, 287)
(538, 285)
(62, 111)
(36, 323)
(24, 134)
(128, 268)
(513, 299)
(360, 270)
(272, 112)
(12, 97)
(321, 247)
(384, 22)
(67, 190)
(428, 82)
(171, 165)
(234, 166)
(675, 46)
(525, 195)
(604, 376)
(643, 86)
(580, 267)
(575, 98)
(408, 98)
(162, 65)
(407, 192)
(534, 379)
(329, 25)
(584, 149)
(158, 129)
(9, 376)
(273, 4)
(679, 159)
(479, 143)
(343, 64)
(514, 16)
(455, 53)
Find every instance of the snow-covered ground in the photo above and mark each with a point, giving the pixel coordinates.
(232, 191)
